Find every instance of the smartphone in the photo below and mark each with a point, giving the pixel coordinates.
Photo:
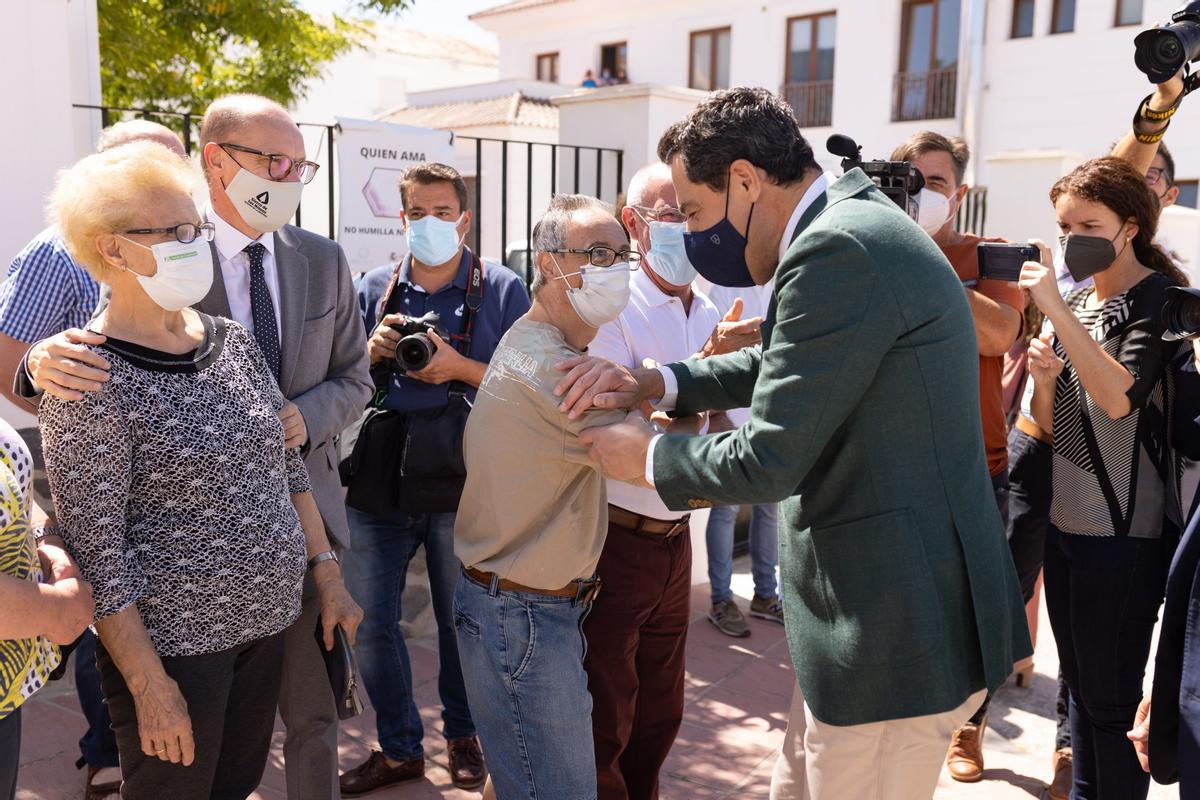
(1002, 262)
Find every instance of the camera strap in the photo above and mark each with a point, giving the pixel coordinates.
(473, 303)
(461, 341)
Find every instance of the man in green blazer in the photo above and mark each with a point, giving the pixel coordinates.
(900, 596)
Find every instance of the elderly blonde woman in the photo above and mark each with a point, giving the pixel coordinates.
(176, 494)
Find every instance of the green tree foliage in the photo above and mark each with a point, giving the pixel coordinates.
(179, 55)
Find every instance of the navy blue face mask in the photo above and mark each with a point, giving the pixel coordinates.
(719, 253)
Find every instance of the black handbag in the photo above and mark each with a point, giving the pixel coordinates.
(411, 461)
(342, 670)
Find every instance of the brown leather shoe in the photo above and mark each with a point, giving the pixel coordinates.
(376, 773)
(467, 770)
(964, 760)
(1064, 775)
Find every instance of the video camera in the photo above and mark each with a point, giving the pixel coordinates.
(416, 349)
(1162, 52)
(899, 180)
(1181, 314)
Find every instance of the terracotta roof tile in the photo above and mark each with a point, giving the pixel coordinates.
(510, 109)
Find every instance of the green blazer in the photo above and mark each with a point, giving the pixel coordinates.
(899, 592)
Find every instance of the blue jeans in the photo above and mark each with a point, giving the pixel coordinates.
(764, 545)
(98, 744)
(523, 661)
(376, 568)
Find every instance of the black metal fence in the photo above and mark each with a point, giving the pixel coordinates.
(972, 214)
(510, 181)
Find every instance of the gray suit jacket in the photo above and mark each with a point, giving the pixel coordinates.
(323, 365)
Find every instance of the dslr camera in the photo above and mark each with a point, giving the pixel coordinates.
(415, 350)
(899, 180)
(1181, 314)
(1161, 52)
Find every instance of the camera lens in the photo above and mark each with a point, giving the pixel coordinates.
(414, 353)
(1167, 52)
(1181, 313)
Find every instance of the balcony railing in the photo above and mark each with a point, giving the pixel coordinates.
(924, 95)
(812, 102)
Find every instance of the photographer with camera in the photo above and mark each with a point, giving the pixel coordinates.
(433, 321)
(996, 308)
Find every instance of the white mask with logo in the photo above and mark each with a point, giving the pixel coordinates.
(263, 204)
(184, 275)
(933, 209)
(604, 293)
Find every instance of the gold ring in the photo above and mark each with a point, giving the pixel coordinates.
(160, 751)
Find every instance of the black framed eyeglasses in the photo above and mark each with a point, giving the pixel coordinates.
(663, 214)
(184, 233)
(1154, 175)
(279, 166)
(601, 256)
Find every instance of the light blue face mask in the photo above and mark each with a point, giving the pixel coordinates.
(668, 256)
(433, 241)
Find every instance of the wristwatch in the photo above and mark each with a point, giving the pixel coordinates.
(40, 532)
(328, 555)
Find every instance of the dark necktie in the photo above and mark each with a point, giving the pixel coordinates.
(262, 310)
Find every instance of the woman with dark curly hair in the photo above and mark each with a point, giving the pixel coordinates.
(1103, 389)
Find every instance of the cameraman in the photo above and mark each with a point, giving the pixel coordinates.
(387, 527)
(997, 309)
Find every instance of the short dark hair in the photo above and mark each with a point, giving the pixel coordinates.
(933, 142)
(1169, 160)
(426, 174)
(747, 123)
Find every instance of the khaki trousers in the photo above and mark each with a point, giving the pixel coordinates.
(899, 759)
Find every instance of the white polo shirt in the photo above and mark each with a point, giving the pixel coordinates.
(653, 325)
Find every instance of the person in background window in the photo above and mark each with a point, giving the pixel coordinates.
(589, 80)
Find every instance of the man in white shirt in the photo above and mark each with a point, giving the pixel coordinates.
(744, 304)
(638, 625)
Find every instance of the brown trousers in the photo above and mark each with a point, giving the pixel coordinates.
(636, 633)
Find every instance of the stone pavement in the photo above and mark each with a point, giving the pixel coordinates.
(738, 693)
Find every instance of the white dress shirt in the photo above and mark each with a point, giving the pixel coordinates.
(670, 384)
(653, 325)
(235, 269)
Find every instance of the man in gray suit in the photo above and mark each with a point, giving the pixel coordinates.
(292, 290)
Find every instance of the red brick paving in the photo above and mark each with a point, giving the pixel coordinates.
(738, 693)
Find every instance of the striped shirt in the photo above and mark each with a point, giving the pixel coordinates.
(45, 291)
(1117, 477)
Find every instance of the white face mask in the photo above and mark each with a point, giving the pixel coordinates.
(604, 293)
(184, 276)
(668, 257)
(933, 209)
(433, 241)
(262, 204)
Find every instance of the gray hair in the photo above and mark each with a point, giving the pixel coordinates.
(550, 233)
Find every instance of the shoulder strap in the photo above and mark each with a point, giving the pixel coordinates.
(473, 303)
(1121, 523)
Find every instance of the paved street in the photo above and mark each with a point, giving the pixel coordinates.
(738, 693)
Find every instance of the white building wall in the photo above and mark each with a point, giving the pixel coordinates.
(50, 54)
(1073, 93)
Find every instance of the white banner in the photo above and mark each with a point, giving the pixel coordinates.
(371, 158)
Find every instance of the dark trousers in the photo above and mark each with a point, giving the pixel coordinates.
(10, 754)
(1102, 596)
(98, 745)
(1000, 490)
(636, 634)
(1030, 490)
(231, 698)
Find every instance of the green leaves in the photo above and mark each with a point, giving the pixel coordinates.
(179, 55)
